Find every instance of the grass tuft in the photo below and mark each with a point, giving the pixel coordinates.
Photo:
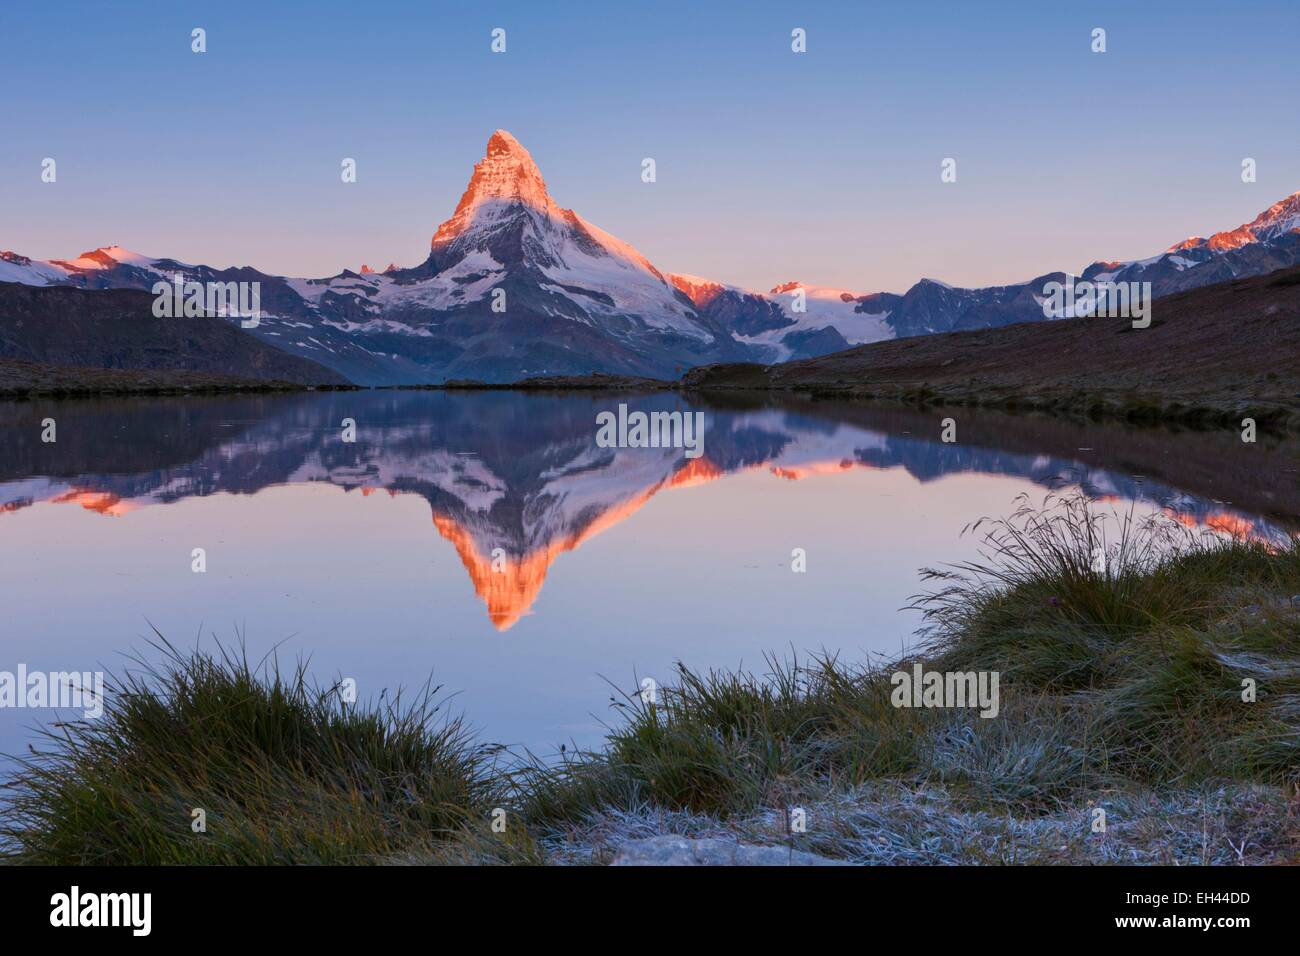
(285, 772)
(1126, 673)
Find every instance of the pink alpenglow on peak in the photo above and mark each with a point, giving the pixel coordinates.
(1277, 220)
(23, 269)
(506, 174)
(507, 198)
(507, 226)
(699, 290)
(105, 257)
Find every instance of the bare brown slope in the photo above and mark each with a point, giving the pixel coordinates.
(1211, 353)
(116, 330)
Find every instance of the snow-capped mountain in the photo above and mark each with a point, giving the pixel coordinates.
(833, 319)
(515, 285)
(507, 225)
(106, 268)
(792, 320)
(1273, 223)
(1268, 243)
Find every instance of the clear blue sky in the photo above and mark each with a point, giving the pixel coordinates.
(822, 167)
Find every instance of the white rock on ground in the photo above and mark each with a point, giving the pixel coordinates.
(681, 851)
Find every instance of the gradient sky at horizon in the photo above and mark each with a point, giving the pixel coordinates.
(822, 167)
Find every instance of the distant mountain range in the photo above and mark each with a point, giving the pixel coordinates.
(1214, 354)
(516, 286)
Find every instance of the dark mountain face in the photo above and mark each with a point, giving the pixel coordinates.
(116, 329)
(746, 313)
(930, 307)
(815, 342)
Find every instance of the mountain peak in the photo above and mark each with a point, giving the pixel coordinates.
(1281, 217)
(1278, 218)
(506, 174)
(105, 257)
(502, 141)
(699, 290)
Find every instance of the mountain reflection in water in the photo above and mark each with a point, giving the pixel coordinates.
(513, 481)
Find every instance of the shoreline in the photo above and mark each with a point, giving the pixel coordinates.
(1145, 412)
(1096, 406)
(21, 380)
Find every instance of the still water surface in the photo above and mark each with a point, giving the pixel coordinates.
(484, 540)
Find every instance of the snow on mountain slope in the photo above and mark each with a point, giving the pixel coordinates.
(784, 324)
(1268, 242)
(105, 267)
(106, 257)
(1275, 221)
(835, 307)
(469, 280)
(557, 272)
(507, 213)
(19, 268)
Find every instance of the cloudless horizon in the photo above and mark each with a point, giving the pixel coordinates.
(772, 166)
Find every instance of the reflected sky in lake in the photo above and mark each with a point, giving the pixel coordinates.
(483, 539)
